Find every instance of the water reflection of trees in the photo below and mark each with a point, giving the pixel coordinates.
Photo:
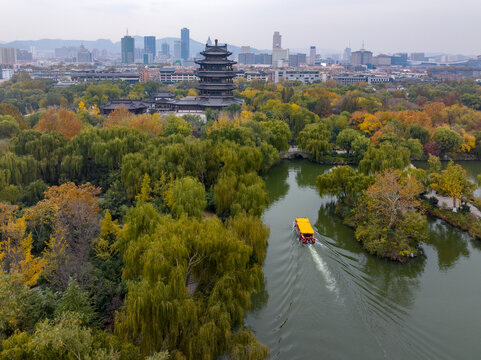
(330, 225)
(450, 243)
(259, 298)
(384, 280)
(276, 184)
(394, 281)
(308, 172)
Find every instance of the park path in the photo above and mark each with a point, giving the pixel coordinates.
(447, 202)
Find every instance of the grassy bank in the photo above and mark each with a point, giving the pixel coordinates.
(465, 221)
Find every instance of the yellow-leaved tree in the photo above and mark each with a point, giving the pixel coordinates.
(16, 247)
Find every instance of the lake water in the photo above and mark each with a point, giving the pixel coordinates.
(332, 300)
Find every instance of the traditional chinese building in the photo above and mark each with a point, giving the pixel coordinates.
(216, 83)
(216, 76)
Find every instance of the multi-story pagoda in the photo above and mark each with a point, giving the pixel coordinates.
(216, 77)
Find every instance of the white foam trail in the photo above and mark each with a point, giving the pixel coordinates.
(323, 269)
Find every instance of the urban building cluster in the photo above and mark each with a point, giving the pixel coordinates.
(173, 60)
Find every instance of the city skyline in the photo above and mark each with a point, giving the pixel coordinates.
(428, 26)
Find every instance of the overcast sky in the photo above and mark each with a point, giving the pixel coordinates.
(384, 25)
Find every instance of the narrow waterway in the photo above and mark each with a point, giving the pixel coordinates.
(333, 301)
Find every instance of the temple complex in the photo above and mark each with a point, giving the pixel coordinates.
(216, 83)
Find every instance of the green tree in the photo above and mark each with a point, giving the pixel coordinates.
(384, 156)
(344, 182)
(166, 262)
(8, 127)
(447, 139)
(416, 131)
(360, 146)
(386, 217)
(74, 299)
(280, 134)
(346, 138)
(314, 138)
(452, 182)
(186, 196)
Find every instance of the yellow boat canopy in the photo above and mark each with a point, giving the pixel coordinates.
(304, 226)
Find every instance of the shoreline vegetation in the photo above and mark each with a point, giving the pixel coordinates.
(132, 237)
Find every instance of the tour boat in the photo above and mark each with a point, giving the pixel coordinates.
(305, 231)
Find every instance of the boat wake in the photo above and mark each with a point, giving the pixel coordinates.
(324, 270)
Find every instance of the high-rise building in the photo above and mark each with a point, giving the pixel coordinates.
(277, 40)
(138, 54)
(245, 49)
(149, 45)
(127, 49)
(417, 56)
(361, 57)
(177, 49)
(24, 55)
(83, 55)
(8, 55)
(346, 57)
(400, 59)
(33, 50)
(184, 40)
(165, 49)
(209, 41)
(280, 57)
(247, 58)
(312, 55)
(297, 59)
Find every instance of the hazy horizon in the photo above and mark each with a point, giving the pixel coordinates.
(384, 26)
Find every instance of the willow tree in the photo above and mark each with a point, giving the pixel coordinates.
(189, 286)
(186, 196)
(344, 182)
(244, 193)
(314, 138)
(384, 156)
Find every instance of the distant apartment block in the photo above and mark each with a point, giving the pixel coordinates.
(247, 58)
(147, 75)
(297, 59)
(417, 56)
(8, 55)
(361, 57)
(170, 76)
(254, 59)
(255, 75)
(347, 80)
(381, 60)
(245, 49)
(304, 76)
(130, 77)
(83, 55)
(24, 55)
(400, 59)
(6, 74)
(280, 57)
